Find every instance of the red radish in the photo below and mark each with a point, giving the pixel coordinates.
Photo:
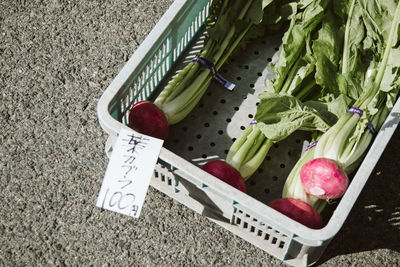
(226, 173)
(324, 178)
(299, 211)
(147, 118)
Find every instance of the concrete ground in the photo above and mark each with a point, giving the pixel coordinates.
(56, 59)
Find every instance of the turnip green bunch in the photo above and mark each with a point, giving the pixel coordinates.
(300, 96)
(226, 26)
(370, 69)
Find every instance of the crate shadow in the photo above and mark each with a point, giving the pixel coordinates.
(374, 221)
(210, 209)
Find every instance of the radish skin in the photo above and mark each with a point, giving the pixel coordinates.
(324, 178)
(299, 211)
(147, 118)
(225, 172)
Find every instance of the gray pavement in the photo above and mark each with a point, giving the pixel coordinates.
(56, 59)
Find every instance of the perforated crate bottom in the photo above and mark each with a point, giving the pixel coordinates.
(221, 115)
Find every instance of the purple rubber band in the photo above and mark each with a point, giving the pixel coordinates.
(313, 144)
(370, 127)
(355, 110)
(206, 63)
(358, 111)
(216, 76)
(253, 122)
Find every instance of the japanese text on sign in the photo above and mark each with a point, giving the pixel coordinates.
(128, 173)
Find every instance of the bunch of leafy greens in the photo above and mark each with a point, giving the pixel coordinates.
(301, 96)
(370, 73)
(228, 23)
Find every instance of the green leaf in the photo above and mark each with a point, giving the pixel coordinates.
(313, 14)
(304, 70)
(256, 11)
(326, 50)
(292, 45)
(304, 3)
(279, 115)
(391, 77)
(295, 40)
(276, 17)
(341, 8)
(331, 109)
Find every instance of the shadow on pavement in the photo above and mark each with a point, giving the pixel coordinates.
(374, 221)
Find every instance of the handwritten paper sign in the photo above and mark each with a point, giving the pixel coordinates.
(128, 173)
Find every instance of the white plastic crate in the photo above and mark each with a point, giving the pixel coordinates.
(209, 130)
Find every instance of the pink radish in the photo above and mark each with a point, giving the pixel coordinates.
(324, 178)
(298, 210)
(226, 173)
(147, 118)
